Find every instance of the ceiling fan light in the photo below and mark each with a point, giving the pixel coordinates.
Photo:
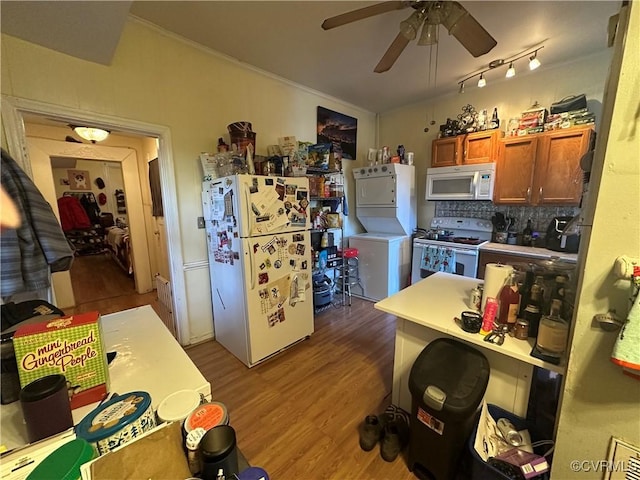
(92, 134)
(481, 81)
(511, 71)
(429, 34)
(534, 62)
(409, 27)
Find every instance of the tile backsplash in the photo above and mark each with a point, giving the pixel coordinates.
(540, 216)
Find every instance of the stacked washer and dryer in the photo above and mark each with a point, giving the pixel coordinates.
(386, 208)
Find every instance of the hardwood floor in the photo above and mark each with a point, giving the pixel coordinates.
(100, 284)
(297, 414)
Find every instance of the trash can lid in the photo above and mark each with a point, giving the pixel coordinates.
(449, 375)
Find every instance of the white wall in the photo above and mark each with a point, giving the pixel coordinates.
(511, 96)
(157, 79)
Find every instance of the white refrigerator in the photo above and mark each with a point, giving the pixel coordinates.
(259, 247)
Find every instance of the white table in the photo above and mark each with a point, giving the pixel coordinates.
(148, 359)
(426, 311)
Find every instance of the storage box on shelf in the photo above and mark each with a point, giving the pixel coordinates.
(476, 147)
(541, 169)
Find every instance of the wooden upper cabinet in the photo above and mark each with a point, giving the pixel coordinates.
(445, 152)
(514, 170)
(477, 147)
(541, 169)
(558, 178)
(480, 147)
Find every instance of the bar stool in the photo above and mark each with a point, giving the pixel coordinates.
(349, 273)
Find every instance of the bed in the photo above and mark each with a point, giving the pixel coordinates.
(120, 247)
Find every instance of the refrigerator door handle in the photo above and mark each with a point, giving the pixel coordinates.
(221, 301)
(253, 277)
(247, 205)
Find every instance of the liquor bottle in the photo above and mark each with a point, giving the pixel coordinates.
(532, 315)
(495, 121)
(509, 300)
(525, 291)
(558, 292)
(537, 292)
(553, 332)
(527, 234)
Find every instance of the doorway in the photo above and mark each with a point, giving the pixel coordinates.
(14, 111)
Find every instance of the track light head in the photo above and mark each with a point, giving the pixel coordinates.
(533, 61)
(481, 81)
(461, 90)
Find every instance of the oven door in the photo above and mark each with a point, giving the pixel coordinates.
(466, 260)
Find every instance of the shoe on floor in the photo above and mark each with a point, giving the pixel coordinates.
(395, 438)
(370, 431)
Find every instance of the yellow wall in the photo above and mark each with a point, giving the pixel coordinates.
(159, 80)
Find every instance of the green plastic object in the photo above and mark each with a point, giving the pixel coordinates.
(64, 462)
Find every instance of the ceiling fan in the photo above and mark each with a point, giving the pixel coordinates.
(455, 18)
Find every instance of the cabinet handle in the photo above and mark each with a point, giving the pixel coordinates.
(540, 193)
(529, 194)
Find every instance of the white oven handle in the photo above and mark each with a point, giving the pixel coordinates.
(464, 251)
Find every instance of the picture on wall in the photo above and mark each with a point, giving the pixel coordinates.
(79, 179)
(338, 129)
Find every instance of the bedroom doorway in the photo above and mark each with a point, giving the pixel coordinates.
(102, 268)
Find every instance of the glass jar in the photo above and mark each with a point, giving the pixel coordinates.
(553, 332)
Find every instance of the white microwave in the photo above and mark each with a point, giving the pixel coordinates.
(464, 182)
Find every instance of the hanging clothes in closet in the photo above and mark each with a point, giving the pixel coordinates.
(38, 247)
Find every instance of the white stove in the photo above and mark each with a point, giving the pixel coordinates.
(456, 238)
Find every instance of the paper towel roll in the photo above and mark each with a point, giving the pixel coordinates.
(495, 275)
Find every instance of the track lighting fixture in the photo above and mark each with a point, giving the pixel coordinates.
(533, 61)
(511, 71)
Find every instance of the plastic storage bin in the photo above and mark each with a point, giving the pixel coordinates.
(480, 470)
(447, 382)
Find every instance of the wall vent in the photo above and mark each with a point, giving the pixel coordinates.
(623, 462)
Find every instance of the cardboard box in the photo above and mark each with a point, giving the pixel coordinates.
(72, 346)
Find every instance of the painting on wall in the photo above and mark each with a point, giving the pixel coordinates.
(79, 179)
(338, 129)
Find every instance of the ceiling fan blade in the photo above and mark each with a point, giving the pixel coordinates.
(362, 13)
(392, 53)
(462, 25)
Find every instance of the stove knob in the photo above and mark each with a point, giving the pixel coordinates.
(384, 169)
(375, 169)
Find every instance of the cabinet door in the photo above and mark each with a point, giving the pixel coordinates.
(480, 147)
(445, 152)
(558, 176)
(514, 170)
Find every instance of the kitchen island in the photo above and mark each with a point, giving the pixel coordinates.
(426, 311)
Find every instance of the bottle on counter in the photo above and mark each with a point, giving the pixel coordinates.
(532, 315)
(553, 332)
(527, 234)
(222, 145)
(525, 291)
(495, 121)
(558, 292)
(509, 300)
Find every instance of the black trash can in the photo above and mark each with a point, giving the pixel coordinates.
(447, 383)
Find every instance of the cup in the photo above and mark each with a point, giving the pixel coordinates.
(218, 452)
(409, 157)
(501, 237)
(45, 407)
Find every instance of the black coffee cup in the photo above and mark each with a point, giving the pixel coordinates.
(471, 321)
(46, 407)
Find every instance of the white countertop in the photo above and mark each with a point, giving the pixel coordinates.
(434, 302)
(535, 252)
(148, 359)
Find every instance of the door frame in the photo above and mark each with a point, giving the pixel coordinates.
(13, 111)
